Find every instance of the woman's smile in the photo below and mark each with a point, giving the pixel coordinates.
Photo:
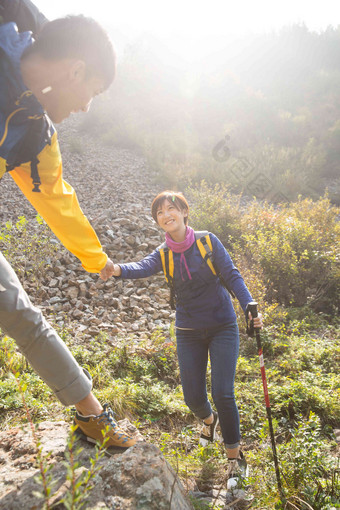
(172, 220)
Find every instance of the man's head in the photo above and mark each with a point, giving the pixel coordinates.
(71, 61)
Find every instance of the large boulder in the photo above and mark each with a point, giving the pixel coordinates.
(139, 478)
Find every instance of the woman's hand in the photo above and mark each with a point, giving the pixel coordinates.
(258, 324)
(117, 270)
(109, 270)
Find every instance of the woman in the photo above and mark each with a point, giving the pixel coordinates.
(205, 322)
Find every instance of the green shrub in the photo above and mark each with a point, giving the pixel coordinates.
(297, 248)
(28, 246)
(287, 255)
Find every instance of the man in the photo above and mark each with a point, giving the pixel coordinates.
(44, 80)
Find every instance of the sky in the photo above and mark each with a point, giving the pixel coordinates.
(193, 26)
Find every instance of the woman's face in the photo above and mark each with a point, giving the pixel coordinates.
(171, 219)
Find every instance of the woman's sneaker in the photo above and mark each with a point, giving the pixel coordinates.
(90, 429)
(208, 432)
(237, 472)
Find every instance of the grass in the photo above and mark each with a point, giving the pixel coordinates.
(141, 381)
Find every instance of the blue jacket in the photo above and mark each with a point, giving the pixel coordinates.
(201, 302)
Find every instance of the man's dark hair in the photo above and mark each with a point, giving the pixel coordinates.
(81, 38)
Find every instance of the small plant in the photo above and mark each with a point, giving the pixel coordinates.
(80, 486)
(28, 246)
(44, 479)
(303, 461)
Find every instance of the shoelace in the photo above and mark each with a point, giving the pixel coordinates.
(107, 416)
(205, 430)
(233, 469)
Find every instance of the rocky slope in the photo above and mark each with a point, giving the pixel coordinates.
(139, 478)
(115, 191)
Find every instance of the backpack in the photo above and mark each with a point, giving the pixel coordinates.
(204, 245)
(27, 17)
(24, 13)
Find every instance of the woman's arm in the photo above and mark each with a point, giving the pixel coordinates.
(229, 272)
(148, 266)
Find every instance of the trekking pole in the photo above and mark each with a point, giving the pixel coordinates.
(252, 308)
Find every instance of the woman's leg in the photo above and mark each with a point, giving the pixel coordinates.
(192, 352)
(224, 348)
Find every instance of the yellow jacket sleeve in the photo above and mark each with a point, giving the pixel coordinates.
(57, 203)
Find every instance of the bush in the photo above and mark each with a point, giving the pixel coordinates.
(296, 246)
(28, 246)
(289, 254)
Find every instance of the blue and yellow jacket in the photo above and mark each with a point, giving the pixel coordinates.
(29, 150)
(201, 300)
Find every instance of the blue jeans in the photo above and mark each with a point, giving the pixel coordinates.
(222, 344)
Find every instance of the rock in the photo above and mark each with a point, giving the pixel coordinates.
(72, 292)
(93, 330)
(77, 314)
(139, 478)
(82, 289)
(55, 300)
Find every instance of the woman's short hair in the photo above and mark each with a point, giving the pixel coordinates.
(81, 38)
(174, 197)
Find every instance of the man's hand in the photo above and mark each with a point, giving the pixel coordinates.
(107, 271)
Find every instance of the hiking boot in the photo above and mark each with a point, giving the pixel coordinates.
(208, 432)
(237, 472)
(90, 429)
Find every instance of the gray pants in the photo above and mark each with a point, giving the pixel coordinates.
(38, 341)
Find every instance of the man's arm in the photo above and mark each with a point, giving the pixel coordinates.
(24, 13)
(57, 203)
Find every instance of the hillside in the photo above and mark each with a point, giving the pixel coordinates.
(122, 332)
(115, 191)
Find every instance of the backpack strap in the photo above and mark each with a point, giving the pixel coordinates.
(167, 258)
(205, 247)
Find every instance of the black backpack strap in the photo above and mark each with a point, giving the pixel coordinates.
(35, 175)
(38, 133)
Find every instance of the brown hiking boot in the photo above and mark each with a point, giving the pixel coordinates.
(90, 429)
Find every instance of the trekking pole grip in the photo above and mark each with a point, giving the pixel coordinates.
(252, 308)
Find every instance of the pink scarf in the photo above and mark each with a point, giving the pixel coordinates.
(182, 247)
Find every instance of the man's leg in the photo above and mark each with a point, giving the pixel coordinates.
(89, 405)
(39, 342)
(52, 360)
